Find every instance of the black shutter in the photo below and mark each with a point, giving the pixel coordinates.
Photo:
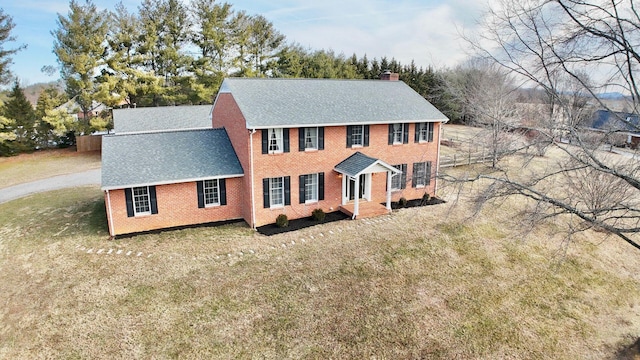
(302, 192)
(128, 197)
(428, 173)
(285, 139)
(222, 186)
(320, 138)
(390, 134)
(152, 198)
(265, 193)
(321, 186)
(287, 190)
(430, 132)
(265, 141)
(417, 133)
(405, 135)
(403, 178)
(414, 180)
(349, 135)
(200, 188)
(366, 135)
(300, 139)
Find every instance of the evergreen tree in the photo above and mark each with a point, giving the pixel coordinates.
(49, 99)
(18, 109)
(6, 25)
(80, 45)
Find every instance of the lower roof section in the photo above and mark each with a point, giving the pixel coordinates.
(167, 157)
(359, 163)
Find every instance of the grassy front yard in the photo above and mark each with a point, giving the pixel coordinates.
(421, 283)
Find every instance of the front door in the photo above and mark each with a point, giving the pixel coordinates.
(352, 187)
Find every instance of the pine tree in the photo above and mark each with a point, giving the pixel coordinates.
(6, 25)
(80, 47)
(18, 109)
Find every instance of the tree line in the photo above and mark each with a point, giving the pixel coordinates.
(171, 53)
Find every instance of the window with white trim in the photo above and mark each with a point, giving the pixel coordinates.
(311, 138)
(211, 190)
(311, 188)
(398, 180)
(357, 135)
(398, 131)
(141, 201)
(425, 132)
(275, 140)
(276, 192)
(421, 174)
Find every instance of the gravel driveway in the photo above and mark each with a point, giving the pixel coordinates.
(91, 177)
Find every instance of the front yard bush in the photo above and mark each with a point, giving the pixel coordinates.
(282, 221)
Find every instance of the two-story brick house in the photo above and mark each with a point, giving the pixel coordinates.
(278, 146)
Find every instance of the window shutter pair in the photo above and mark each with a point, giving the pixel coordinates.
(153, 202)
(405, 133)
(265, 140)
(222, 192)
(301, 139)
(427, 173)
(266, 201)
(429, 130)
(303, 190)
(365, 135)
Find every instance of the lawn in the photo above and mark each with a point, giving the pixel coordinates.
(44, 164)
(445, 287)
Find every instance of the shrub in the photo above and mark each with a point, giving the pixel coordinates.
(402, 202)
(318, 214)
(282, 221)
(425, 198)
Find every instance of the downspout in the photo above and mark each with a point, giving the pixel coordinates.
(435, 186)
(111, 230)
(253, 187)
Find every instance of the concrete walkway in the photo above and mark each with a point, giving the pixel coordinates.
(91, 177)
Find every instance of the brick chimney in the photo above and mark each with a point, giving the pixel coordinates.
(389, 76)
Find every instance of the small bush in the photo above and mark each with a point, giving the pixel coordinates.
(282, 221)
(425, 198)
(402, 202)
(318, 214)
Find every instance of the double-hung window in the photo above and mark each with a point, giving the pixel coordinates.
(424, 132)
(141, 201)
(398, 181)
(275, 141)
(397, 133)
(311, 138)
(311, 188)
(421, 174)
(276, 191)
(211, 192)
(357, 135)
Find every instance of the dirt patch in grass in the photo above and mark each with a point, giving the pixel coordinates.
(297, 224)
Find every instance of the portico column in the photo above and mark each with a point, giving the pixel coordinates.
(389, 176)
(356, 196)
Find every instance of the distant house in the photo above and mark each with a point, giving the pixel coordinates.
(270, 147)
(626, 123)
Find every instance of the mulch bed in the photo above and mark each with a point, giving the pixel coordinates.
(297, 224)
(417, 202)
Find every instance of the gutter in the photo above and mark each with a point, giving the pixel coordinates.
(435, 180)
(111, 230)
(253, 187)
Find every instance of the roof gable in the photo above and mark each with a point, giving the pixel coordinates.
(163, 118)
(167, 157)
(359, 163)
(324, 102)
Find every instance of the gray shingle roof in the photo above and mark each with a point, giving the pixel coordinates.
(322, 102)
(167, 157)
(164, 118)
(359, 162)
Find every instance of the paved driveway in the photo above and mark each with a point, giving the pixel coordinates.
(91, 177)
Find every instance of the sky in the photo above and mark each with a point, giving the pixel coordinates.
(426, 31)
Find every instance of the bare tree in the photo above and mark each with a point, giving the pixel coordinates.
(571, 50)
